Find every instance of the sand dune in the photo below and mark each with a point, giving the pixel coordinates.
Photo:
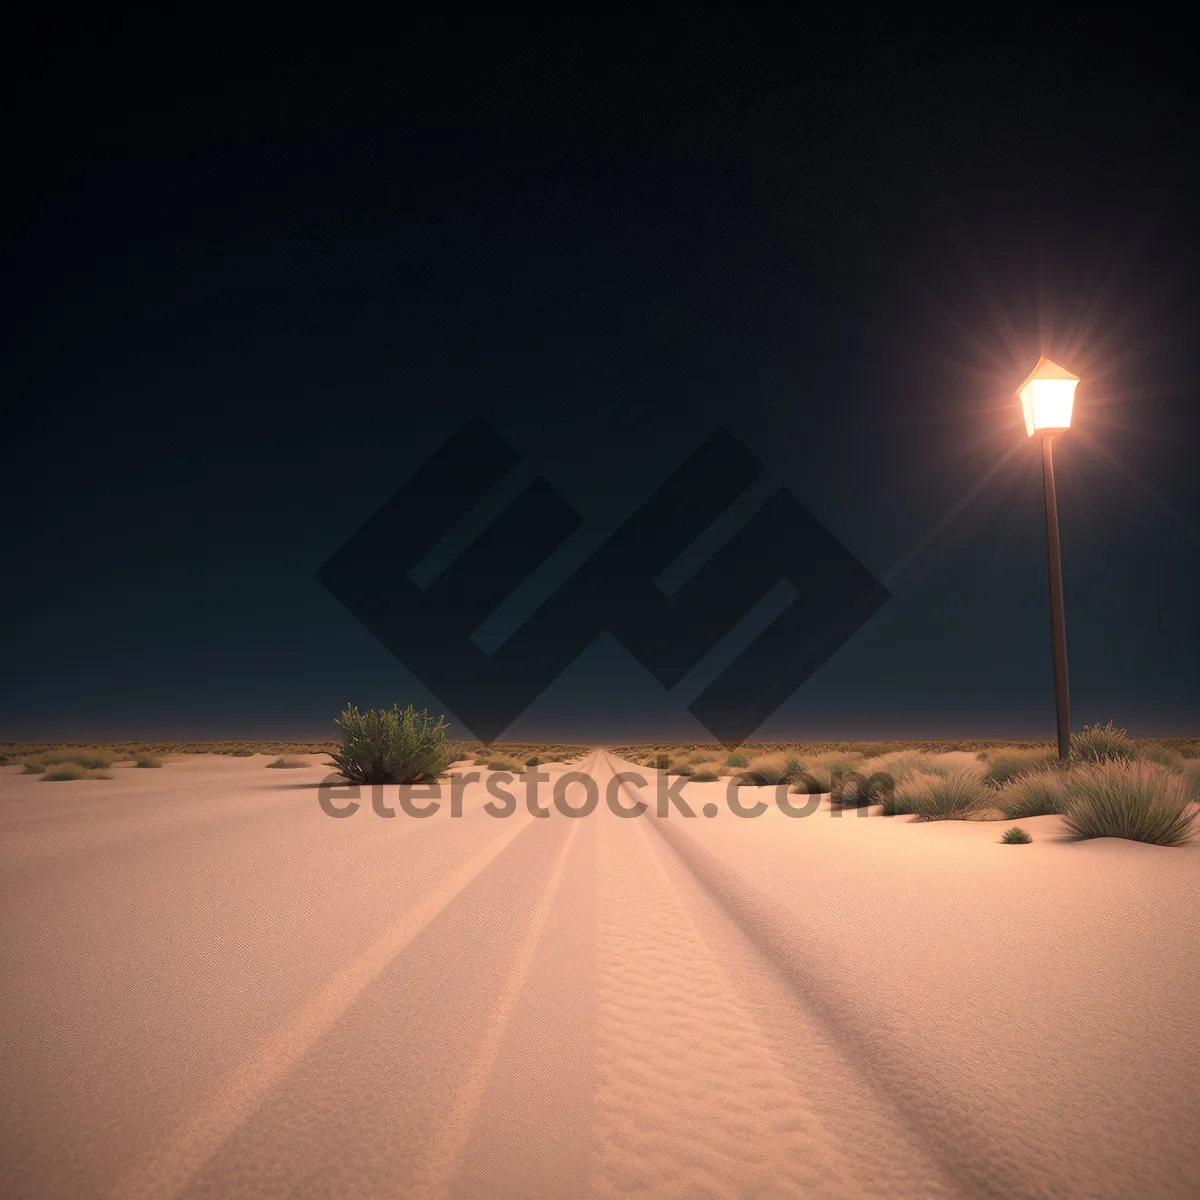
(212, 989)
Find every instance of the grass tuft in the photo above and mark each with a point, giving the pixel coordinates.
(505, 764)
(147, 761)
(1141, 801)
(1100, 743)
(63, 771)
(1016, 836)
(1001, 766)
(87, 757)
(955, 795)
(737, 760)
(1038, 793)
(282, 763)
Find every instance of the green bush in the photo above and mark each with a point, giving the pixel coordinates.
(1098, 743)
(737, 760)
(400, 746)
(1016, 836)
(1142, 801)
(1034, 794)
(147, 761)
(956, 794)
(283, 763)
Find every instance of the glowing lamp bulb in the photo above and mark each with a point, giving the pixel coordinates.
(1047, 397)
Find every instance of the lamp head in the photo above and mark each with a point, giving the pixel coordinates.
(1047, 398)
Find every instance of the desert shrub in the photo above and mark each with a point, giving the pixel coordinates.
(1142, 801)
(956, 794)
(1097, 743)
(901, 765)
(681, 769)
(505, 764)
(705, 777)
(817, 773)
(766, 770)
(1191, 780)
(896, 803)
(400, 746)
(60, 772)
(532, 761)
(244, 754)
(1165, 756)
(1016, 836)
(85, 756)
(33, 766)
(147, 761)
(284, 763)
(1037, 793)
(859, 790)
(737, 760)
(1003, 765)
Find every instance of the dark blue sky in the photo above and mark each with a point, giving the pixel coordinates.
(257, 273)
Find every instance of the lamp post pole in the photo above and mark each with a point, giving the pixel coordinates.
(1058, 623)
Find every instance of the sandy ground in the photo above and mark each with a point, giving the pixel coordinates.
(210, 988)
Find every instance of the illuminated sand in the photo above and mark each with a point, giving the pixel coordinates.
(212, 989)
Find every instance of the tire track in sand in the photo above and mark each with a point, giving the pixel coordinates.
(691, 1102)
(433, 1181)
(168, 1170)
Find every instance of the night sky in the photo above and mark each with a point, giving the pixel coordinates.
(257, 270)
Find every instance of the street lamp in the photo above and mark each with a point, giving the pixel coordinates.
(1047, 398)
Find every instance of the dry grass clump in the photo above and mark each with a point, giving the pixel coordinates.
(147, 760)
(1036, 793)
(87, 757)
(63, 771)
(958, 794)
(901, 765)
(33, 766)
(504, 763)
(1001, 765)
(1099, 743)
(766, 770)
(1016, 836)
(817, 774)
(283, 764)
(1142, 801)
